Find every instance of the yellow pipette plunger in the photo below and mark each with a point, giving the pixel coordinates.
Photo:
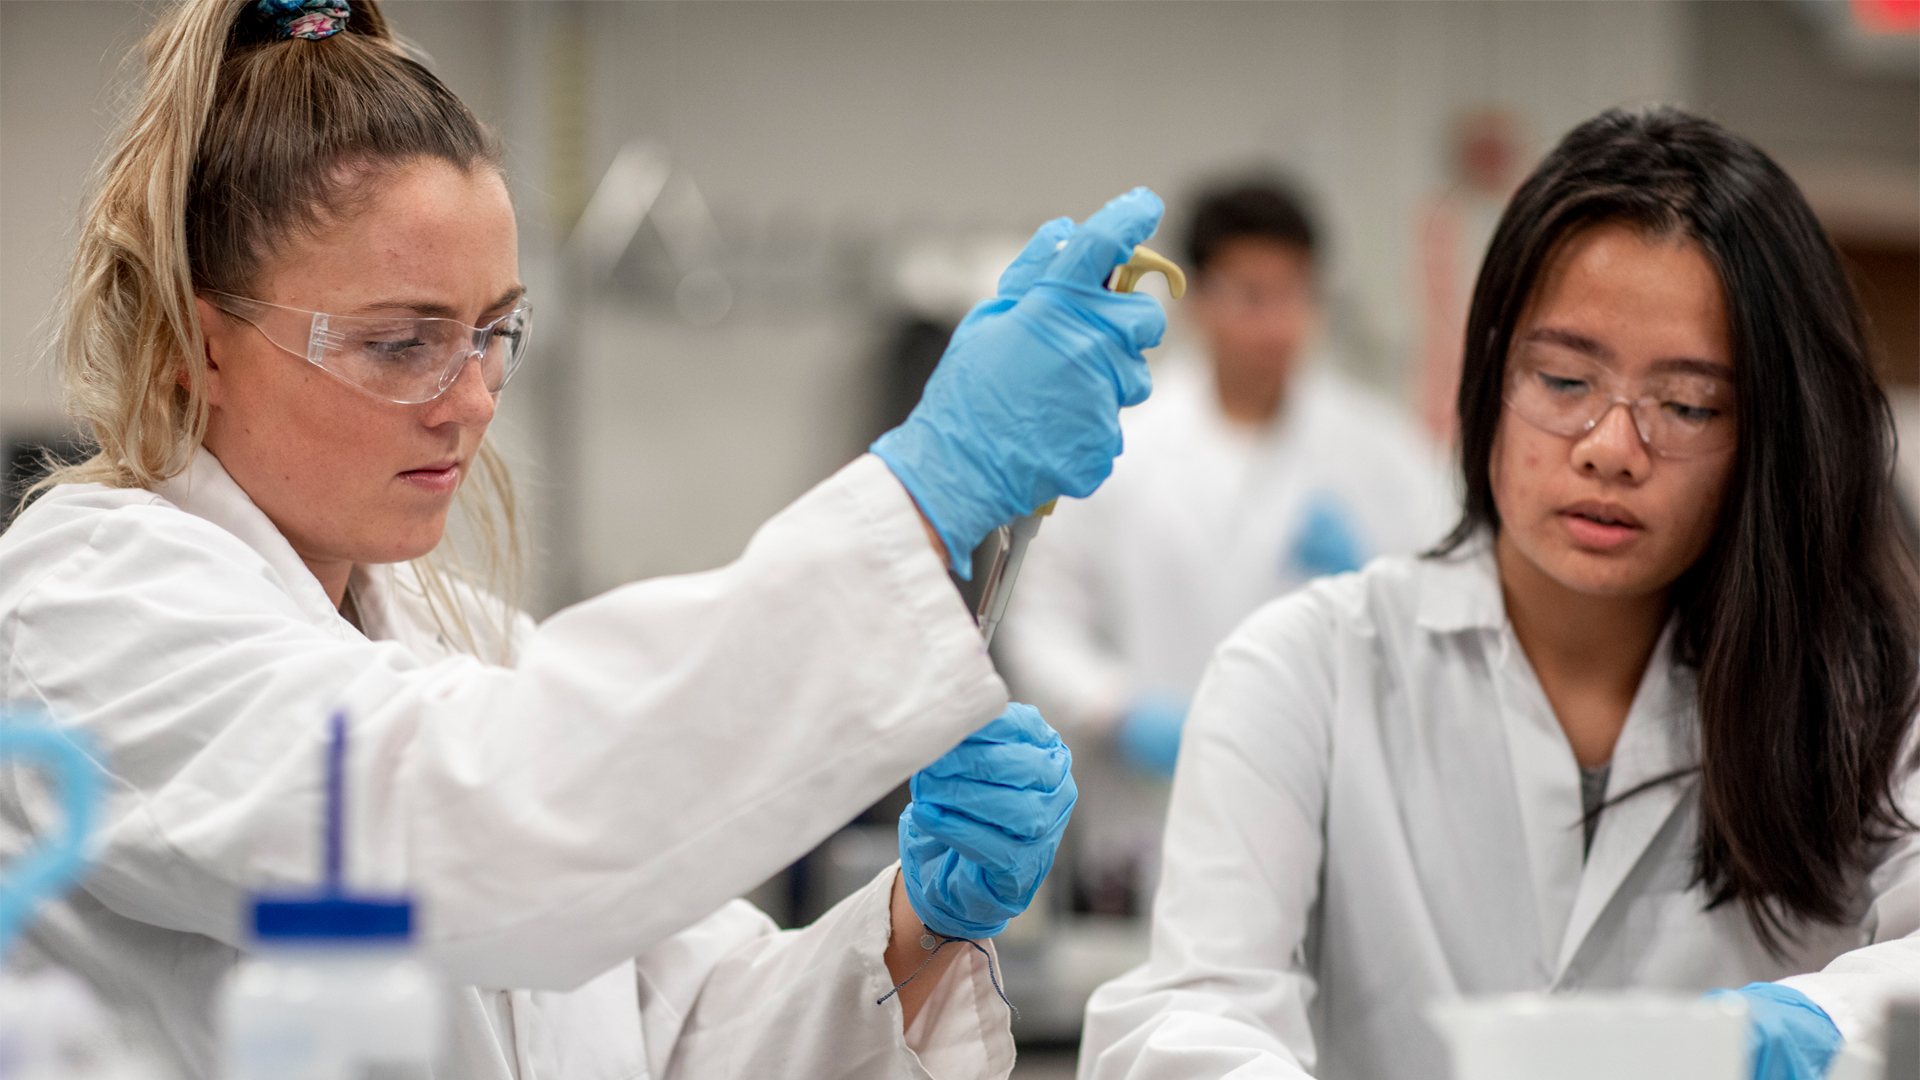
(1144, 262)
(1014, 537)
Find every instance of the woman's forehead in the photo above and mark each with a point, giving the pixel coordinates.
(1559, 341)
(1626, 297)
(431, 239)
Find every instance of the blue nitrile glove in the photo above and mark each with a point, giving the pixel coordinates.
(1328, 542)
(1025, 405)
(1791, 1037)
(1149, 733)
(979, 836)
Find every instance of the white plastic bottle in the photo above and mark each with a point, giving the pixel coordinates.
(332, 992)
(331, 988)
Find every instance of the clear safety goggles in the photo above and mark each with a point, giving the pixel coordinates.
(402, 359)
(1678, 415)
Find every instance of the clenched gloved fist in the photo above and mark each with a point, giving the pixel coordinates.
(1025, 404)
(1149, 733)
(1328, 541)
(1791, 1037)
(979, 836)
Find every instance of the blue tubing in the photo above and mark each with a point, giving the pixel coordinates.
(48, 869)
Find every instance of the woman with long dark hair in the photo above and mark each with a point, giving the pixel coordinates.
(1642, 720)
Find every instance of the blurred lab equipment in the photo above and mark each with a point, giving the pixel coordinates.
(27, 452)
(639, 186)
(331, 989)
(1646, 1036)
(1903, 1040)
(1649, 1035)
(47, 870)
(52, 1027)
(986, 817)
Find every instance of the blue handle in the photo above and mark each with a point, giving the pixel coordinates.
(47, 870)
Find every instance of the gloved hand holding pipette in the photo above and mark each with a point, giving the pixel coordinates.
(1025, 405)
(980, 834)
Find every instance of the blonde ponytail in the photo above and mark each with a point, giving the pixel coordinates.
(126, 320)
(231, 145)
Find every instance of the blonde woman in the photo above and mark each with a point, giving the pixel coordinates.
(294, 305)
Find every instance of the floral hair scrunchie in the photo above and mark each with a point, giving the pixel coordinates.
(309, 19)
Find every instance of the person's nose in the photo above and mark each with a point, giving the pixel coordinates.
(1613, 450)
(465, 402)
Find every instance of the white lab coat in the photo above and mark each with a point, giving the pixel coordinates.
(1130, 589)
(572, 826)
(1376, 808)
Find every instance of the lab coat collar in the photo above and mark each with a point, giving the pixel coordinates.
(207, 491)
(1661, 738)
(1461, 590)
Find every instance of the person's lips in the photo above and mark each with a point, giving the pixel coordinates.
(439, 477)
(1600, 525)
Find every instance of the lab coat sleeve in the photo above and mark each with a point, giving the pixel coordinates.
(1056, 644)
(734, 996)
(1856, 988)
(1226, 989)
(654, 751)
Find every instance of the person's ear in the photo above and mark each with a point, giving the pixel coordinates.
(215, 333)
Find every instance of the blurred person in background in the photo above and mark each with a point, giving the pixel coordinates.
(1645, 720)
(1484, 163)
(1255, 468)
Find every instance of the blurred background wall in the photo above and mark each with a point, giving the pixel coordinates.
(812, 147)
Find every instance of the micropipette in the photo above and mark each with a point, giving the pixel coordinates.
(1011, 540)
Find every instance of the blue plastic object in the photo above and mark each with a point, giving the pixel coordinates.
(1328, 541)
(1025, 404)
(331, 915)
(980, 834)
(1791, 1038)
(1149, 733)
(47, 870)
